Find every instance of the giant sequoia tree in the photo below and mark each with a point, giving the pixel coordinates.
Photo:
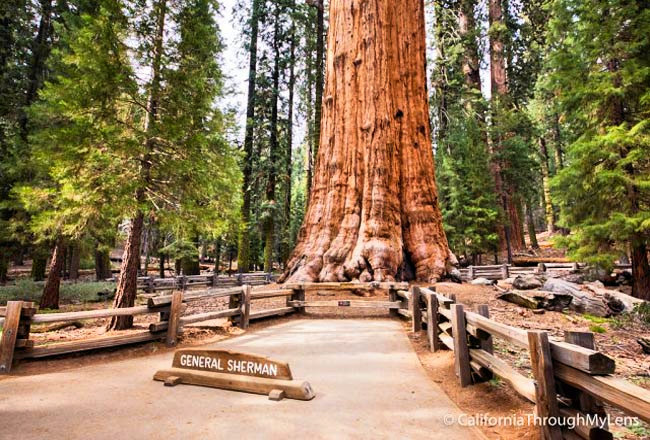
(373, 210)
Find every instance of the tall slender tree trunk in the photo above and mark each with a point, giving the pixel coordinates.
(509, 232)
(373, 213)
(269, 224)
(75, 260)
(50, 297)
(439, 80)
(244, 251)
(128, 280)
(320, 71)
(467, 27)
(41, 48)
(546, 186)
(102, 263)
(309, 67)
(39, 264)
(289, 158)
(217, 255)
(640, 272)
(530, 220)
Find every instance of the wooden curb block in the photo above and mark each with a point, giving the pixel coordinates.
(276, 395)
(250, 384)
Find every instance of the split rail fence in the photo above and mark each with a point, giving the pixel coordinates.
(503, 271)
(18, 317)
(571, 381)
(183, 282)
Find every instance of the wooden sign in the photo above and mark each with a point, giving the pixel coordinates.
(230, 370)
(225, 361)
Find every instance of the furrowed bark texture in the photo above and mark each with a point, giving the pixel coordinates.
(373, 212)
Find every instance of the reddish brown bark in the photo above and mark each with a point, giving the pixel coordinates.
(641, 272)
(373, 212)
(127, 281)
(50, 297)
(512, 222)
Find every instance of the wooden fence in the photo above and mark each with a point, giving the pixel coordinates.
(183, 282)
(570, 378)
(503, 271)
(18, 316)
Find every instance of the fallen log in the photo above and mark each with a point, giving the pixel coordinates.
(537, 299)
(645, 344)
(582, 301)
(617, 301)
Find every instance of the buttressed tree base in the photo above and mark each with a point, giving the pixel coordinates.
(373, 211)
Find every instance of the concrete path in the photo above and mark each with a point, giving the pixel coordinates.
(368, 382)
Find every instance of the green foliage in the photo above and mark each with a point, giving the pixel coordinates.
(597, 328)
(600, 76)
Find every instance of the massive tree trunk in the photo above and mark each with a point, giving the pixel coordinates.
(50, 297)
(373, 212)
(243, 257)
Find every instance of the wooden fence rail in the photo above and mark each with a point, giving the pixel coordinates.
(503, 271)
(184, 282)
(570, 378)
(18, 316)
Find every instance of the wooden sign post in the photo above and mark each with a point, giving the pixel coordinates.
(231, 370)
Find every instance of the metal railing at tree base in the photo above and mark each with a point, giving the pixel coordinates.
(571, 380)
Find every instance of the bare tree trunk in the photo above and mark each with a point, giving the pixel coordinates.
(320, 56)
(467, 26)
(640, 272)
(511, 235)
(289, 162)
(243, 257)
(373, 213)
(548, 203)
(532, 234)
(39, 264)
(269, 223)
(75, 258)
(50, 297)
(102, 264)
(127, 282)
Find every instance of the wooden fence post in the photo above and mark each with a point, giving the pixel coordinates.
(9, 335)
(215, 277)
(432, 322)
(297, 295)
(174, 316)
(545, 393)
(245, 306)
(486, 343)
(416, 310)
(505, 271)
(541, 268)
(583, 401)
(470, 273)
(392, 297)
(461, 350)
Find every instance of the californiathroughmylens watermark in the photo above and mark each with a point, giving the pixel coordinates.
(535, 420)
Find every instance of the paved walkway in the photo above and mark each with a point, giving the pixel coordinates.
(368, 381)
